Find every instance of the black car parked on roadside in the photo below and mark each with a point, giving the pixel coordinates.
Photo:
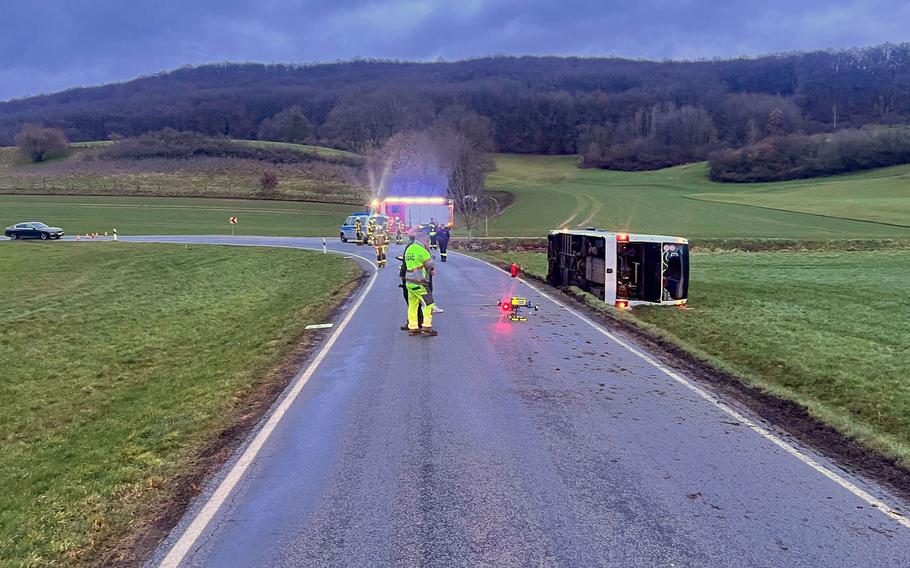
(33, 230)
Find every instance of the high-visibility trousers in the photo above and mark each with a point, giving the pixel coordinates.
(381, 251)
(419, 299)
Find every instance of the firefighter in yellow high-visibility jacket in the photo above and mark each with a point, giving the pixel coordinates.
(380, 240)
(419, 267)
(371, 230)
(358, 231)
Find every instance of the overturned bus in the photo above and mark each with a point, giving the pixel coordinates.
(622, 269)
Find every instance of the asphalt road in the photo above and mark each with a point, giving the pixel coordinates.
(543, 443)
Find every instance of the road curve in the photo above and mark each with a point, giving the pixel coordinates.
(543, 443)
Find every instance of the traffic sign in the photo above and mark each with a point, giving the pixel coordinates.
(233, 220)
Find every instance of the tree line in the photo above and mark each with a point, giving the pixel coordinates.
(615, 113)
(799, 156)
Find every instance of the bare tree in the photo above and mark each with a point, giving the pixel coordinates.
(39, 143)
(467, 180)
(268, 182)
(453, 153)
(776, 122)
(465, 140)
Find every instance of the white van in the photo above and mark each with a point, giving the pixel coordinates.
(348, 230)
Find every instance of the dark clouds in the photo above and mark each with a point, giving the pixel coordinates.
(50, 45)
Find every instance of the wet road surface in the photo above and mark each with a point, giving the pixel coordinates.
(542, 443)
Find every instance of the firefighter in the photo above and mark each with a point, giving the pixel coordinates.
(371, 230)
(418, 273)
(398, 232)
(358, 230)
(433, 234)
(443, 239)
(380, 245)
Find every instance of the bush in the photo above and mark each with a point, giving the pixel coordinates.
(268, 182)
(40, 143)
(803, 156)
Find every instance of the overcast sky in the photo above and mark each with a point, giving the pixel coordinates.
(51, 45)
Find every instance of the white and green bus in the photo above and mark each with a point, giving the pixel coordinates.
(622, 269)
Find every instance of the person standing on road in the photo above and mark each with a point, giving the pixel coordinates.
(433, 234)
(358, 230)
(381, 246)
(371, 230)
(418, 273)
(403, 273)
(443, 239)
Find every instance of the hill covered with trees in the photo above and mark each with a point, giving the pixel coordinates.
(615, 113)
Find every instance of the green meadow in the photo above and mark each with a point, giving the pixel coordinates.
(121, 361)
(551, 192)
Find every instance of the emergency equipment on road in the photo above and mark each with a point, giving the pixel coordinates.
(514, 308)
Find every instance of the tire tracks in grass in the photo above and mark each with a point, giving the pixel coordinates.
(575, 212)
(596, 207)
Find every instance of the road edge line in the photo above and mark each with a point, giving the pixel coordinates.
(200, 522)
(886, 509)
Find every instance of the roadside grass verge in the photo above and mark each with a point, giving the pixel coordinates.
(120, 362)
(175, 216)
(551, 192)
(824, 329)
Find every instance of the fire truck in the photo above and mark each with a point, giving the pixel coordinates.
(622, 269)
(415, 211)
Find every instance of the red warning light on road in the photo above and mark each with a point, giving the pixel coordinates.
(233, 220)
(514, 269)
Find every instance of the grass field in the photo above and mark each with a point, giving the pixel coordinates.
(882, 196)
(74, 174)
(819, 328)
(119, 362)
(173, 216)
(305, 148)
(551, 192)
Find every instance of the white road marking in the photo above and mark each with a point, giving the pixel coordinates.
(192, 533)
(846, 484)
